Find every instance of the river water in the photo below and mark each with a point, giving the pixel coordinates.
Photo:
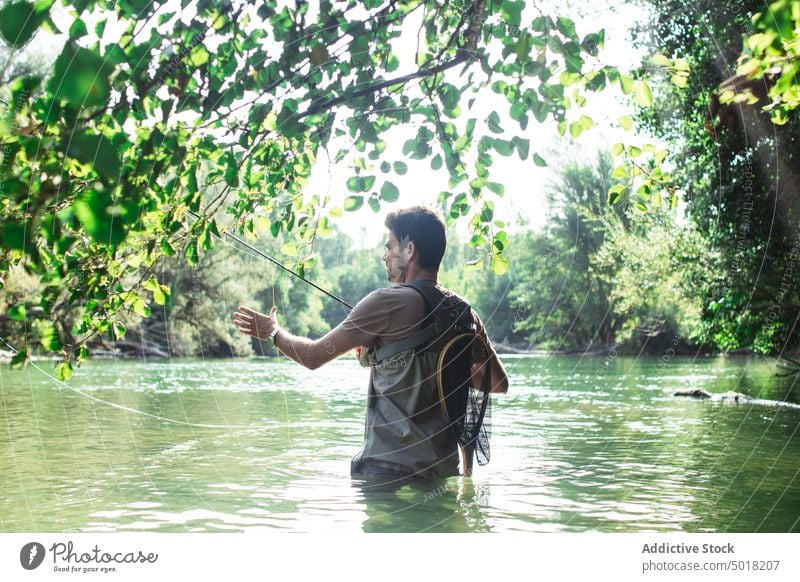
(578, 444)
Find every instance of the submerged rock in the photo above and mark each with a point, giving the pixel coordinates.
(730, 397)
(692, 393)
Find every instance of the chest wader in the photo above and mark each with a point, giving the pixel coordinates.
(422, 416)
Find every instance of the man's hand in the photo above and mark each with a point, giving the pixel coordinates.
(254, 323)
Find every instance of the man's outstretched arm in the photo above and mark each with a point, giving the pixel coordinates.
(307, 352)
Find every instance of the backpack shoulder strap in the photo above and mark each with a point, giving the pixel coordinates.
(433, 299)
(431, 294)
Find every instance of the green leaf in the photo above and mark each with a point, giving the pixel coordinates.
(289, 249)
(400, 168)
(660, 61)
(17, 312)
(97, 151)
(63, 371)
(231, 170)
(477, 241)
(474, 265)
(140, 307)
(159, 297)
(620, 173)
(519, 112)
(389, 192)
(493, 122)
(100, 217)
(615, 193)
(500, 87)
(617, 149)
(511, 11)
(657, 199)
(503, 147)
(374, 204)
(626, 83)
(680, 81)
(13, 235)
(19, 359)
(565, 26)
(642, 95)
(436, 162)
(626, 122)
(192, 253)
(499, 264)
(48, 337)
(681, 65)
(360, 184)
(586, 122)
(78, 29)
(199, 56)
(523, 147)
(166, 247)
(19, 21)
(539, 160)
(449, 95)
(634, 151)
(496, 187)
(568, 79)
(575, 129)
(360, 50)
(80, 76)
(352, 203)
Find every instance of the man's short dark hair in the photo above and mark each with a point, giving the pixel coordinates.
(424, 226)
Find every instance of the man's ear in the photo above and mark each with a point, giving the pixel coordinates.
(411, 249)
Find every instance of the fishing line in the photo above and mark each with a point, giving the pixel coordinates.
(173, 420)
(129, 409)
(283, 393)
(279, 264)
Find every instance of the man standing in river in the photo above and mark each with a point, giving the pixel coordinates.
(406, 431)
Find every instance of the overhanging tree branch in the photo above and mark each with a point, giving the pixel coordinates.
(463, 54)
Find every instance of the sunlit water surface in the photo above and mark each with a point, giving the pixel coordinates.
(588, 444)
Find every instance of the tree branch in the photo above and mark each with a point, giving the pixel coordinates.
(463, 54)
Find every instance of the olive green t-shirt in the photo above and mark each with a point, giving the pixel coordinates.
(390, 314)
(385, 316)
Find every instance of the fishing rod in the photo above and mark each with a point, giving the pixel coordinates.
(279, 264)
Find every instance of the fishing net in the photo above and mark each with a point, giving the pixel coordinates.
(465, 386)
(477, 425)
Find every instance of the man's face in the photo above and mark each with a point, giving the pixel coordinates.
(396, 258)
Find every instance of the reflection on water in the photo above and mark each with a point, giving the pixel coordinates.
(578, 445)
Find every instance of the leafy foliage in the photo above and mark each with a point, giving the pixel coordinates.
(558, 300)
(144, 145)
(772, 51)
(738, 174)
